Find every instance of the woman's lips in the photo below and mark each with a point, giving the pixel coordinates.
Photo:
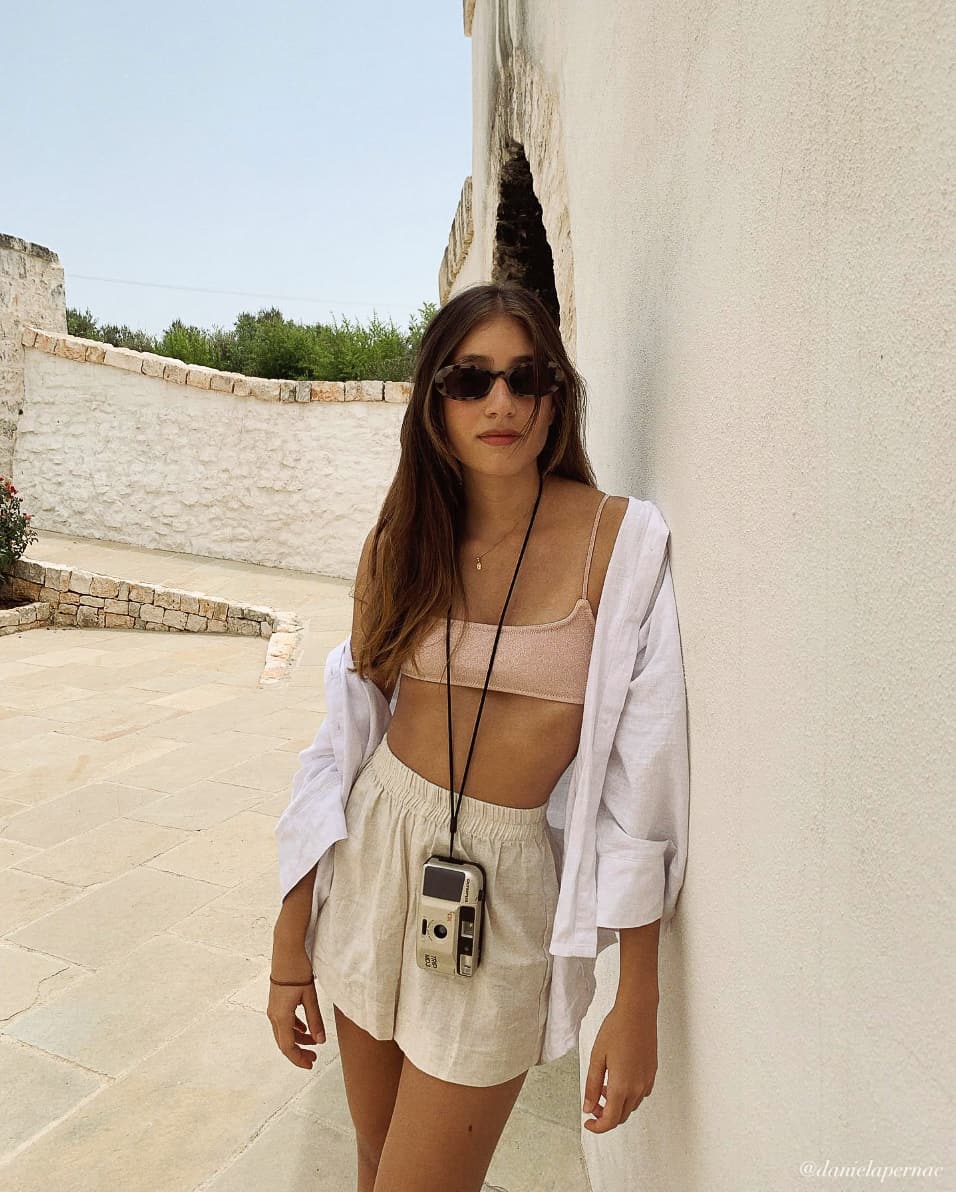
(497, 440)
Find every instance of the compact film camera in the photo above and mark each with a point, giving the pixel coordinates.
(450, 907)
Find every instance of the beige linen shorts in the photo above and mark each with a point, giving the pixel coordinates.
(481, 1030)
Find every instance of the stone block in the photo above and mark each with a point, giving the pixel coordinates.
(195, 623)
(157, 625)
(265, 629)
(398, 391)
(24, 589)
(164, 598)
(92, 601)
(28, 569)
(188, 602)
(117, 607)
(243, 627)
(174, 618)
(141, 593)
(151, 614)
(364, 390)
(215, 626)
(26, 613)
(154, 365)
(222, 382)
(102, 585)
(198, 376)
(327, 390)
(67, 599)
(287, 391)
(263, 389)
(44, 611)
(123, 593)
(58, 578)
(70, 348)
(86, 617)
(118, 621)
(50, 594)
(28, 337)
(64, 615)
(303, 391)
(215, 610)
(176, 372)
(45, 341)
(134, 608)
(96, 353)
(80, 582)
(124, 358)
(240, 386)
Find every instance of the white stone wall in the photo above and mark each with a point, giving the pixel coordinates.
(761, 233)
(282, 473)
(31, 292)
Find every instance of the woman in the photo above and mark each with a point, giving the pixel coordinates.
(544, 747)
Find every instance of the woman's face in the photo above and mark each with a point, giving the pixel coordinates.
(496, 343)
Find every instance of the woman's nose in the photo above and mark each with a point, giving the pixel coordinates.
(500, 394)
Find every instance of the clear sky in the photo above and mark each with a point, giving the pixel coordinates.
(301, 148)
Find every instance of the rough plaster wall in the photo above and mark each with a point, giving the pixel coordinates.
(763, 292)
(31, 292)
(108, 454)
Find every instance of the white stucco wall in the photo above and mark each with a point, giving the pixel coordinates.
(106, 453)
(763, 294)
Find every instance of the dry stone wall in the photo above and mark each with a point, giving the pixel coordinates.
(63, 596)
(31, 291)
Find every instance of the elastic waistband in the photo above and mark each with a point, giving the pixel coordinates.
(477, 817)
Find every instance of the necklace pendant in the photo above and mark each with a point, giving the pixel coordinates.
(478, 564)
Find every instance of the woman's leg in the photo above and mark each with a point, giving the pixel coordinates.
(371, 1069)
(443, 1135)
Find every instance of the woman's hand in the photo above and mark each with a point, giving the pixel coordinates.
(626, 1050)
(291, 962)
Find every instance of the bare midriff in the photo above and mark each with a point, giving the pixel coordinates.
(524, 743)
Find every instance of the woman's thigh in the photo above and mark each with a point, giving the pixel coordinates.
(443, 1135)
(371, 1069)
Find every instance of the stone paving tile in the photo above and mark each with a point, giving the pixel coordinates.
(29, 977)
(105, 923)
(225, 854)
(24, 897)
(174, 1120)
(200, 805)
(38, 1089)
(202, 759)
(78, 811)
(269, 773)
(295, 1153)
(113, 1018)
(103, 853)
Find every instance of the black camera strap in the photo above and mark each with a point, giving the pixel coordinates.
(455, 808)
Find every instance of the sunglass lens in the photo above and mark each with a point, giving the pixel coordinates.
(467, 381)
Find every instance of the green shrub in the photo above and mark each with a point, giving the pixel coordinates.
(15, 532)
(269, 345)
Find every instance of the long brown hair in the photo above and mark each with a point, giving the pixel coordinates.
(413, 573)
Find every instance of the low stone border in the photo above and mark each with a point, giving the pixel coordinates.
(62, 596)
(166, 368)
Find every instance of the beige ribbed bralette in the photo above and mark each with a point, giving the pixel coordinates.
(548, 661)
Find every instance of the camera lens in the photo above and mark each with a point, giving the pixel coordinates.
(441, 930)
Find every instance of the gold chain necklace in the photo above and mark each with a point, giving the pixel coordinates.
(478, 558)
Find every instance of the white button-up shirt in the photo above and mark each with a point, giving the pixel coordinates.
(617, 816)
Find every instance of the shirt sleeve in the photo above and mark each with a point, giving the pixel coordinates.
(642, 822)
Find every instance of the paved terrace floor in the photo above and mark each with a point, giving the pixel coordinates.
(141, 776)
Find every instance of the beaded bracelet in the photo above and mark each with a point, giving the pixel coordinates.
(275, 982)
